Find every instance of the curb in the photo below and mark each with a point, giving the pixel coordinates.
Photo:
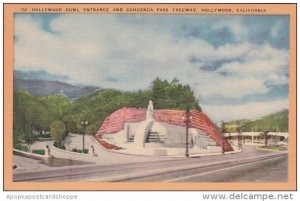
(30, 155)
(71, 152)
(277, 151)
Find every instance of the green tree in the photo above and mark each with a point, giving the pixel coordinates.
(264, 135)
(57, 131)
(29, 115)
(26, 119)
(56, 106)
(223, 127)
(37, 113)
(29, 138)
(173, 95)
(159, 93)
(37, 117)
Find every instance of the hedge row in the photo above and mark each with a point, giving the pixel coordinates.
(59, 146)
(39, 151)
(21, 147)
(85, 151)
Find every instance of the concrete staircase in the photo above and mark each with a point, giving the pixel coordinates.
(207, 143)
(155, 137)
(131, 139)
(141, 133)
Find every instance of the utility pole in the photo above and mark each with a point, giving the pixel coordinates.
(84, 124)
(187, 119)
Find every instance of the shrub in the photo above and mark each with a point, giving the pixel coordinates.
(39, 151)
(80, 151)
(57, 131)
(59, 146)
(55, 144)
(21, 147)
(46, 135)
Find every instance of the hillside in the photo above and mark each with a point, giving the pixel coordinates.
(40, 75)
(46, 88)
(96, 106)
(42, 83)
(274, 122)
(37, 113)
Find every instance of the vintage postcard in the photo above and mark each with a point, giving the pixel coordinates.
(150, 96)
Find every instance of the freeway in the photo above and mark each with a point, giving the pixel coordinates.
(251, 165)
(267, 169)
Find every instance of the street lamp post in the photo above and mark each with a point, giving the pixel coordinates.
(240, 142)
(223, 144)
(187, 119)
(84, 124)
(277, 134)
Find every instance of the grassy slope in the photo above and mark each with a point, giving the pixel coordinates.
(269, 122)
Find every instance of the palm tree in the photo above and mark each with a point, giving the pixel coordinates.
(264, 135)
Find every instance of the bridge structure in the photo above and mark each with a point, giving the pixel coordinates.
(253, 137)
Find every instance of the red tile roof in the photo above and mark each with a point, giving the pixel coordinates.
(116, 121)
(199, 120)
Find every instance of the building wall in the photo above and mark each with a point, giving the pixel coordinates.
(175, 135)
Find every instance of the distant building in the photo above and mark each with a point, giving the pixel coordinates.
(139, 128)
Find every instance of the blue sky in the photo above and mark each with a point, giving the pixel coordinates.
(238, 66)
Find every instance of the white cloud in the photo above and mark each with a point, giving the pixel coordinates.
(251, 110)
(249, 59)
(114, 52)
(232, 87)
(237, 26)
(277, 79)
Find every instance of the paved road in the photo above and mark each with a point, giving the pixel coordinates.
(268, 169)
(250, 165)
